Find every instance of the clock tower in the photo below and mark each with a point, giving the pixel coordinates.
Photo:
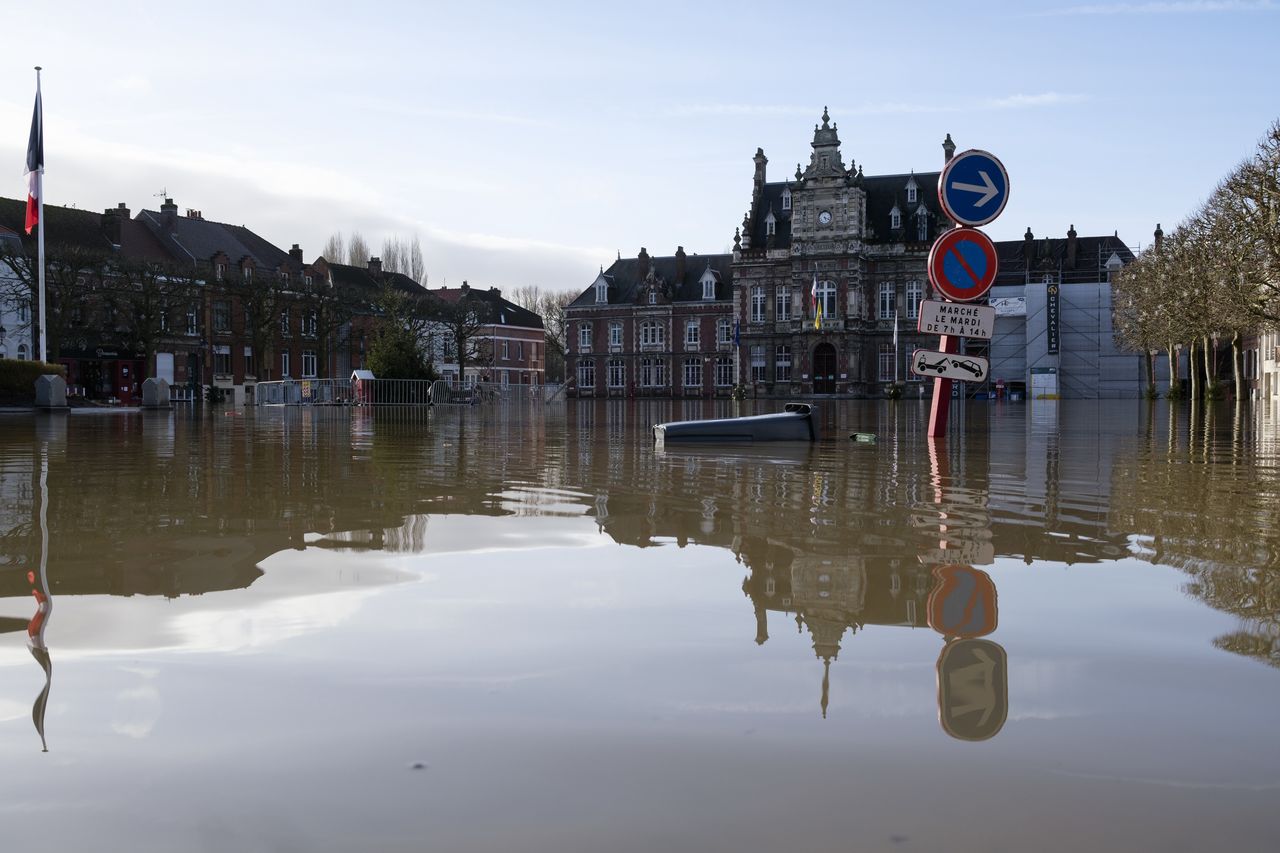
(829, 203)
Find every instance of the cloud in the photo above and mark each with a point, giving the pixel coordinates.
(1173, 7)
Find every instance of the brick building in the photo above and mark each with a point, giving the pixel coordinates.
(508, 343)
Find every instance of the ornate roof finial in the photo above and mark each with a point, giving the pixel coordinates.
(737, 241)
(799, 174)
(826, 119)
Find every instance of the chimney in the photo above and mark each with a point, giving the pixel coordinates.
(296, 253)
(1159, 237)
(168, 211)
(1029, 250)
(948, 149)
(761, 161)
(642, 268)
(465, 287)
(192, 213)
(679, 265)
(375, 267)
(1071, 248)
(113, 222)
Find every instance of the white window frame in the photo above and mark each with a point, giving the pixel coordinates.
(587, 373)
(709, 288)
(911, 192)
(782, 363)
(759, 369)
(827, 296)
(615, 333)
(915, 293)
(782, 303)
(653, 297)
(652, 333)
(895, 219)
(885, 363)
(584, 337)
(617, 369)
(284, 364)
(724, 371)
(693, 372)
(506, 351)
(786, 198)
(888, 300)
(309, 364)
(757, 303)
(602, 293)
(724, 331)
(692, 333)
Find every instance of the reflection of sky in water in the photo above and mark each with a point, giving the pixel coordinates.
(556, 625)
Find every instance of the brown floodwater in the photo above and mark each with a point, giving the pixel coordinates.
(529, 629)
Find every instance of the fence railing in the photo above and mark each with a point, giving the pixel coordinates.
(396, 392)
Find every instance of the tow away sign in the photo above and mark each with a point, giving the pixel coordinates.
(956, 318)
(949, 365)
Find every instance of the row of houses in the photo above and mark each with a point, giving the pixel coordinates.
(206, 304)
(821, 292)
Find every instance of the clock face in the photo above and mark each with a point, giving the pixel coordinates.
(824, 217)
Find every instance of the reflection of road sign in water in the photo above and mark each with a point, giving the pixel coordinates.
(963, 264)
(973, 689)
(974, 188)
(962, 603)
(945, 365)
(306, 390)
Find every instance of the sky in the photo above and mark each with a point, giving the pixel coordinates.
(529, 144)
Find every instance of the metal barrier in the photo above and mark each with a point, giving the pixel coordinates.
(397, 392)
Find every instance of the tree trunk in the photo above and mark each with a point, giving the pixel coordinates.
(1175, 384)
(1151, 374)
(1235, 366)
(1208, 348)
(1193, 372)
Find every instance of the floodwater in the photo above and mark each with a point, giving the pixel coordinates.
(530, 630)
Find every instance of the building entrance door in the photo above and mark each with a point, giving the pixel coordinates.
(824, 369)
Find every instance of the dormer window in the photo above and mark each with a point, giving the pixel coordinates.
(922, 224)
(911, 190)
(219, 270)
(653, 297)
(708, 285)
(895, 218)
(770, 224)
(786, 198)
(602, 291)
(247, 273)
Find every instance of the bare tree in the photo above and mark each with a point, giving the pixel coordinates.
(357, 250)
(405, 257)
(335, 249)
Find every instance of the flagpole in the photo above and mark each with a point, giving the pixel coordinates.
(896, 360)
(40, 221)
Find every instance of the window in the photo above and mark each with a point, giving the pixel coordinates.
(724, 371)
(692, 333)
(782, 304)
(922, 225)
(306, 282)
(708, 287)
(193, 321)
(886, 363)
(584, 339)
(506, 350)
(895, 219)
(310, 325)
(770, 224)
(911, 191)
(587, 374)
(284, 277)
(602, 292)
(219, 271)
(757, 304)
(247, 273)
(22, 352)
(782, 364)
(164, 317)
(692, 372)
(308, 363)
(617, 373)
(722, 330)
(519, 350)
(786, 198)
(506, 377)
(653, 297)
(24, 312)
(222, 359)
(888, 300)
(221, 317)
(758, 373)
(284, 323)
(250, 367)
(652, 333)
(284, 365)
(915, 293)
(827, 298)
(653, 372)
(615, 334)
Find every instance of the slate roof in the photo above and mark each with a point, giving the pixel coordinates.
(361, 280)
(505, 312)
(626, 284)
(198, 240)
(1050, 255)
(83, 230)
(771, 199)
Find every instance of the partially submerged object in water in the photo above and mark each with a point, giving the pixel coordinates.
(796, 422)
(864, 437)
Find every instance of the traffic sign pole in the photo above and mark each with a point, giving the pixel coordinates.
(941, 405)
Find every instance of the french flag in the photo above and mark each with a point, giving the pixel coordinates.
(35, 164)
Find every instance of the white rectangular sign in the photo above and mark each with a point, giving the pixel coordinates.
(1010, 306)
(949, 365)
(958, 319)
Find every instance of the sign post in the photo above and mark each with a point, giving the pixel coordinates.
(973, 190)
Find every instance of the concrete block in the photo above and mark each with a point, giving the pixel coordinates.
(51, 392)
(155, 394)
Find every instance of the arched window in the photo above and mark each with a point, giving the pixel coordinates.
(22, 352)
(826, 297)
(652, 333)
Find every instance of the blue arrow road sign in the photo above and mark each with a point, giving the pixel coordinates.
(974, 188)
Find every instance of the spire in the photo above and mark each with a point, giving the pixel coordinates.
(825, 118)
(948, 149)
(826, 686)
